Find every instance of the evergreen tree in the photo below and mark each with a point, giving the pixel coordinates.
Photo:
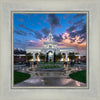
(58, 56)
(71, 56)
(42, 56)
(54, 57)
(47, 58)
(29, 56)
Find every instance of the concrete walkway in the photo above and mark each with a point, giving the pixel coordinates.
(50, 81)
(51, 78)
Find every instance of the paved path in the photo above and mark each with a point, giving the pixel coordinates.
(51, 78)
(50, 81)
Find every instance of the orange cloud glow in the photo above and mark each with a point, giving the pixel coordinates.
(66, 42)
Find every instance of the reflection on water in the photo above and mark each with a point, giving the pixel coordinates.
(77, 83)
(54, 82)
(53, 78)
(76, 69)
(23, 70)
(79, 67)
(64, 65)
(33, 81)
(35, 66)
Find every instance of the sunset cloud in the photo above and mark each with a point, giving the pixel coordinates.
(53, 20)
(68, 30)
(68, 43)
(65, 42)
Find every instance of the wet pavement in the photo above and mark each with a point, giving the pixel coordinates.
(50, 81)
(51, 78)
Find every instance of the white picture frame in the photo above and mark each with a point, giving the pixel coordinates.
(7, 93)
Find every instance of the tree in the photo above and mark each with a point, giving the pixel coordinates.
(42, 56)
(71, 56)
(47, 57)
(58, 56)
(54, 57)
(29, 56)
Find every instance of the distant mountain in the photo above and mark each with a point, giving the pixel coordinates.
(19, 51)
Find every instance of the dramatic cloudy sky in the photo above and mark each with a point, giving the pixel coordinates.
(68, 30)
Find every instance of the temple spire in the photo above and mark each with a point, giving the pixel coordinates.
(50, 35)
(50, 28)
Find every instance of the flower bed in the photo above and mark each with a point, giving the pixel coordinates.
(50, 62)
(50, 66)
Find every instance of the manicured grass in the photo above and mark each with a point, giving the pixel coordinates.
(79, 76)
(50, 66)
(19, 77)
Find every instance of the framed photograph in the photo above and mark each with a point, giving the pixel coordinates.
(49, 50)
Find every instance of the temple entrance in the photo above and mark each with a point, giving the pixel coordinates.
(50, 56)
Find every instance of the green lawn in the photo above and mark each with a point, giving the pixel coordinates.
(79, 76)
(19, 77)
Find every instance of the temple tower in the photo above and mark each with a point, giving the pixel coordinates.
(50, 37)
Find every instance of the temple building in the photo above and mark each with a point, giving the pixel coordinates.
(48, 49)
